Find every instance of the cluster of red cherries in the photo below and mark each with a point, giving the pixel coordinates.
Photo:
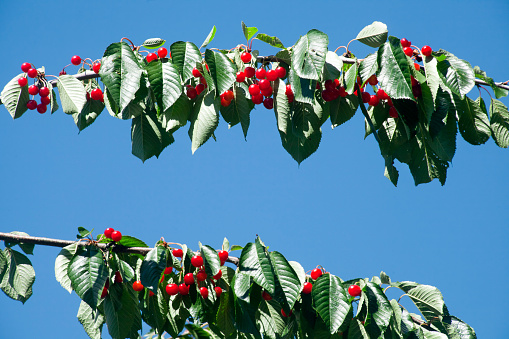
(43, 91)
(96, 93)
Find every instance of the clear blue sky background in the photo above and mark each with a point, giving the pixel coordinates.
(336, 209)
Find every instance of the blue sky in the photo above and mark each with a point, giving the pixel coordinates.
(336, 209)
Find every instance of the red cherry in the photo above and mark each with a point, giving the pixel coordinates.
(201, 275)
(218, 275)
(22, 82)
(162, 52)
(426, 50)
(151, 294)
(108, 231)
(417, 91)
(408, 51)
(260, 73)
(264, 84)
(354, 290)
(249, 72)
(414, 82)
(191, 93)
(25, 67)
(329, 84)
(335, 93)
(44, 91)
(290, 98)
(76, 60)
(196, 73)
(33, 90)
(307, 288)
(183, 289)
(96, 94)
(272, 75)
(62, 72)
(365, 97)
(31, 104)
(254, 89)
(203, 81)
(241, 77)
(118, 277)
(151, 57)
(389, 101)
(172, 289)
(268, 103)
(204, 292)
(417, 66)
(381, 94)
(342, 92)
(284, 314)
(177, 252)
(225, 103)
(228, 95)
(266, 92)
(218, 290)
(223, 256)
(316, 273)
(373, 100)
(96, 67)
(327, 95)
(197, 261)
(245, 57)
(392, 112)
(336, 82)
(116, 236)
(189, 279)
(105, 289)
(32, 73)
(45, 100)
(405, 43)
(373, 80)
(266, 296)
(257, 98)
(42, 108)
(281, 72)
(288, 90)
(168, 270)
(200, 88)
(207, 67)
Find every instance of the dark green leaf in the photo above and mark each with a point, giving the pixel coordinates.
(499, 123)
(351, 78)
(249, 32)
(90, 111)
(177, 115)
(432, 77)
(27, 248)
(209, 37)
(129, 241)
(238, 110)
(394, 70)
(164, 80)
(148, 137)
(185, 56)
(18, 276)
(271, 40)
(444, 142)
(379, 310)
(331, 301)
(152, 267)
(15, 98)
(222, 70)
(333, 66)
(499, 92)
(308, 57)
(72, 94)
(306, 120)
(153, 43)
(356, 330)
(390, 171)
(204, 120)
(255, 262)
(426, 165)
(303, 89)
(428, 300)
(287, 280)
(92, 320)
(269, 319)
(377, 114)
(458, 329)
(122, 311)
(385, 278)
(368, 66)
(457, 74)
(53, 97)
(392, 136)
(62, 264)
(473, 123)
(83, 232)
(373, 35)
(210, 260)
(225, 318)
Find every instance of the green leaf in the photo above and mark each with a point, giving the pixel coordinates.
(153, 43)
(255, 262)
(343, 109)
(330, 301)
(72, 94)
(210, 260)
(499, 123)
(433, 334)
(152, 267)
(18, 277)
(425, 164)
(473, 122)
(428, 300)
(27, 248)
(238, 110)
(177, 115)
(129, 241)
(306, 121)
(62, 264)
(88, 274)
(204, 119)
(165, 83)
(392, 135)
(308, 57)
(185, 56)
(373, 35)
(121, 73)
(458, 329)
(379, 310)
(226, 245)
(288, 285)
(53, 97)
(444, 142)
(390, 171)
(385, 278)
(351, 78)
(154, 310)
(356, 330)
(209, 37)
(225, 318)
(333, 66)
(432, 77)
(303, 89)
(236, 248)
(269, 319)
(89, 113)
(122, 311)
(249, 32)
(15, 98)
(368, 66)
(499, 92)
(394, 71)
(377, 114)
(221, 69)
(148, 137)
(456, 74)
(271, 40)
(92, 320)
(3, 264)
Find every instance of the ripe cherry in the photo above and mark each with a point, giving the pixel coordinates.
(44, 91)
(365, 97)
(45, 100)
(266, 296)
(417, 66)
(191, 93)
(264, 84)
(31, 104)
(290, 98)
(218, 275)
(281, 72)
(373, 80)
(105, 289)
(329, 84)
(408, 51)
(183, 289)
(413, 81)
(245, 57)
(426, 50)
(218, 290)
(42, 108)
(204, 292)
(342, 92)
(162, 52)
(62, 72)
(25, 67)
(257, 98)
(254, 89)
(33, 90)
(172, 289)
(374, 100)
(249, 72)
(189, 279)
(307, 288)
(327, 95)
(267, 92)
(268, 103)
(201, 275)
(199, 88)
(151, 57)
(392, 112)
(224, 102)
(76, 60)
(96, 67)
(116, 236)
(354, 290)
(405, 43)
(32, 73)
(284, 314)
(108, 231)
(177, 252)
(223, 256)
(241, 77)
(203, 81)
(151, 294)
(168, 270)
(22, 82)
(228, 95)
(316, 273)
(417, 91)
(382, 95)
(288, 90)
(96, 94)
(196, 72)
(271, 75)
(260, 73)
(118, 277)
(197, 261)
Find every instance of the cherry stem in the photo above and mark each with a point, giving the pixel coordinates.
(132, 45)
(340, 48)
(349, 45)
